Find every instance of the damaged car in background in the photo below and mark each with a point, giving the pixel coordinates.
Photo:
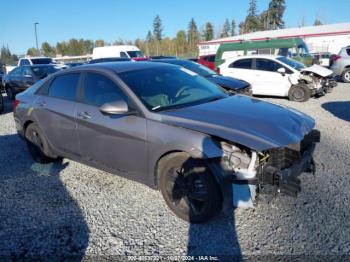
(172, 130)
(272, 75)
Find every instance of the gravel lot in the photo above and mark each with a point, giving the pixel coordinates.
(71, 209)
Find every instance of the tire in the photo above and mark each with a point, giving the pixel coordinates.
(10, 93)
(1, 103)
(346, 75)
(299, 93)
(37, 145)
(188, 188)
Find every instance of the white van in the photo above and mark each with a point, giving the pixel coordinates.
(128, 51)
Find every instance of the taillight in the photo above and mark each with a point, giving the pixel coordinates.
(218, 70)
(15, 104)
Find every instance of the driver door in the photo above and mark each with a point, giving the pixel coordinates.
(115, 142)
(268, 80)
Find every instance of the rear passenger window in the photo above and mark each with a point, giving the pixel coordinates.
(242, 64)
(99, 89)
(65, 87)
(348, 51)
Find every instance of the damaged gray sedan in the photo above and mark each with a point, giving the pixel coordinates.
(170, 129)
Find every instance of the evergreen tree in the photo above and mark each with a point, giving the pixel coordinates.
(252, 21)
(157, 28)
(181, 43)
(233, 27)
(226, 29)
(275, 14)
(192, 33)
(208, 33)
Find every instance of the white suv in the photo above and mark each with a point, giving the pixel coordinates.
(279, 76)
(35, 61)
(341, 64)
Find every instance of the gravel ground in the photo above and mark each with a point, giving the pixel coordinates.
(71, 209)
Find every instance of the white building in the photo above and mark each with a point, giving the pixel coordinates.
(323, 38)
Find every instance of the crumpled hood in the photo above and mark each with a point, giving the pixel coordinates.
(247, 121)
(228, 82)
(319, 70)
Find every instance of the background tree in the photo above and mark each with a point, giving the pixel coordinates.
(233, 27)
(275, 14)
(157, 28)
(317, 22)
(88, 46)
(208, 33)
(48, 50)
(32, 52)
(157, 32)
(181, 43)
(252, 21)
(226, 29)
(193, 37)
(6, 57)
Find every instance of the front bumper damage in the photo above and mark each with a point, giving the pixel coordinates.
(278, 176)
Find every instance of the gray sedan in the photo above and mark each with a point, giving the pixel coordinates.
(170, 129)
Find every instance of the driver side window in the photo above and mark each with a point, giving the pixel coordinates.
(99, 89)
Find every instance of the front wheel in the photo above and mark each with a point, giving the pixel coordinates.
(346, 76)
(37, 145)
(299, 93)
(188, 188)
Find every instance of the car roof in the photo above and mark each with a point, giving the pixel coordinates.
(254, 56)
(120, 67)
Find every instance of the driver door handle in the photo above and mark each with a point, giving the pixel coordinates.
(84, 115)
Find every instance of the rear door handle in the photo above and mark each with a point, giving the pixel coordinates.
(84, 115)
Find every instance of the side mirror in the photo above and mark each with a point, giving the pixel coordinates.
(118, 107)
(281, 70)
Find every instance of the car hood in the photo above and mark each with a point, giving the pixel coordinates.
(247, 121)
(228, 82)
(319, 70)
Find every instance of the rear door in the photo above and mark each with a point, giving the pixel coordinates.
(116, 142)
(267, 80)
(241, 69)
(56, 110)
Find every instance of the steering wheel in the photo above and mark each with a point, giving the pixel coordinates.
(182, 89)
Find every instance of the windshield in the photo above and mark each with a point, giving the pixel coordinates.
(43, 71)
(42, 61)
(162, 88)
(292, 63)
(194, 67)
(135, 54)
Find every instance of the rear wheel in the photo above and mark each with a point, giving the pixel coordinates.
(346, 75)
(299, 93)
(37, 145)
(189, 188)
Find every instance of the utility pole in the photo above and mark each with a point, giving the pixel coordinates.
(36, 37)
